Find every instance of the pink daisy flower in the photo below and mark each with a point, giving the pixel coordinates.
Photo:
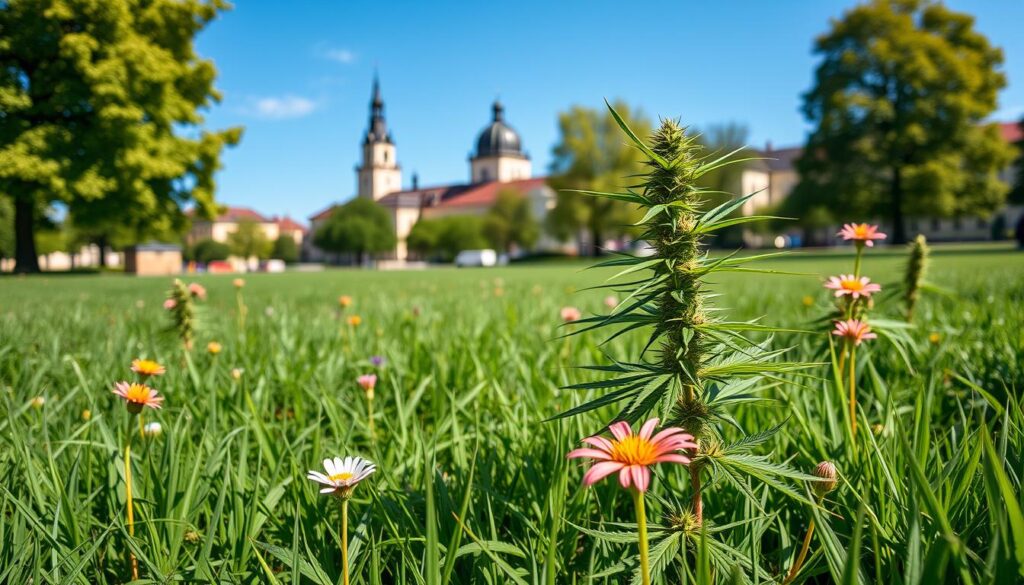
(197, 290)
(570, 314)
(632, 455)
(861, 233)
(367, 381)
(853, 330)
(169, 304)
(848, 284)
(136, 396)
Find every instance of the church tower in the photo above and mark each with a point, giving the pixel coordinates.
(379, 173)
(499, 153)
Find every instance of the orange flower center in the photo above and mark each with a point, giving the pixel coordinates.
(343, 476)
(633, 450)
(138, 393)
(860, 231)
(852, 285)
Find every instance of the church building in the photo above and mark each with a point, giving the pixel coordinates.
(497, 163)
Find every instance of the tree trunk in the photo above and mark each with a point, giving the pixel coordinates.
(595, 242)
(101, 243)
(899, 234)
(26, 260)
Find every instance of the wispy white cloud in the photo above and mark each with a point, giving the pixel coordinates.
(281, 107)
(343, 56)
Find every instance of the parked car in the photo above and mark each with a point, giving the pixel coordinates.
(476, 258)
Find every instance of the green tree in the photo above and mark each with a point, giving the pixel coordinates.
(285, 249)
(100, 105)
(208, 250)
(898, 104)
(6, 228)
(424, 236)
(510, 222)
(359, 227)
(460, 232)
(590, 155)
(249, 240)
(1016, 195)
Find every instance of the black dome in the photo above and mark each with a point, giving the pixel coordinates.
(498, 138)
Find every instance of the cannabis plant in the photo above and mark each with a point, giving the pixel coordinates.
(696, 366)
(917, 265)
(181, 306)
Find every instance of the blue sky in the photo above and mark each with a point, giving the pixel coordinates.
(297, 75)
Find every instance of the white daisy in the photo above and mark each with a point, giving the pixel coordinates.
(153, 429)
(342, 474)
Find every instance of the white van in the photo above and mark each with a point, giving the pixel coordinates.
(476, 258)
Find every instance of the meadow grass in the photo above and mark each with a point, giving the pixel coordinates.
(472, 483)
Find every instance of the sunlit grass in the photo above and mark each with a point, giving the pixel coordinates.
(471, 485)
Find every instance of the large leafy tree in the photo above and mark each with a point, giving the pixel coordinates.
(249, 240)
(444, 237)
(898, 107)
(359, 227)
(1017, 191)
(591, 156)
(510, 221)
(101, 105)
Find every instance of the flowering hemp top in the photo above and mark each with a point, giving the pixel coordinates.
(631, 455)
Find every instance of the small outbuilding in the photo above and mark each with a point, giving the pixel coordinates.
(153, 259)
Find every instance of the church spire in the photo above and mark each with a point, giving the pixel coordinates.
(378, 130)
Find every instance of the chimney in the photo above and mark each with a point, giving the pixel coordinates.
(415, 181)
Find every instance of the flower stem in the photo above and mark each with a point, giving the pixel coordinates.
(129, 500)
(344, 541)
(369, 407)
(802, 556)
(641, 528)
(853, 388)
(856, 260)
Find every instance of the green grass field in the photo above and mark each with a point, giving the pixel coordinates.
(472, 484)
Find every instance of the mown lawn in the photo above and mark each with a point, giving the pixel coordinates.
(472, 483)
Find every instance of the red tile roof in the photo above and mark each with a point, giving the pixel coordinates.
(485, 194)
(323, 213)
(287, 224)
(1011, 131)
(240, 213)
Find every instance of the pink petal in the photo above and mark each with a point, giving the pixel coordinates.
(624, 477)
(620, 430)
(641, 477)
(600, 471)
(589, 453)
(648, 428)
(672, 458)
(668, 432)
(599, 442)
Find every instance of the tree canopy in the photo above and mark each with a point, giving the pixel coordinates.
(358, 227)
(898, 106)
(249, 240)
(101, 109)
(510, 222)
(285, 249)
(591, 155)
(445, 237)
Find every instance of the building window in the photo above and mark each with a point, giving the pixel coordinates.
(385, 156)
(936, 225)
(982, 223)
(958, 224)
(484, 175)
(913, 225)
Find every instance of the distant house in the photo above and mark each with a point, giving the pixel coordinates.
(153, 259)
(498, 162)
(776, 177)
(219, 228)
